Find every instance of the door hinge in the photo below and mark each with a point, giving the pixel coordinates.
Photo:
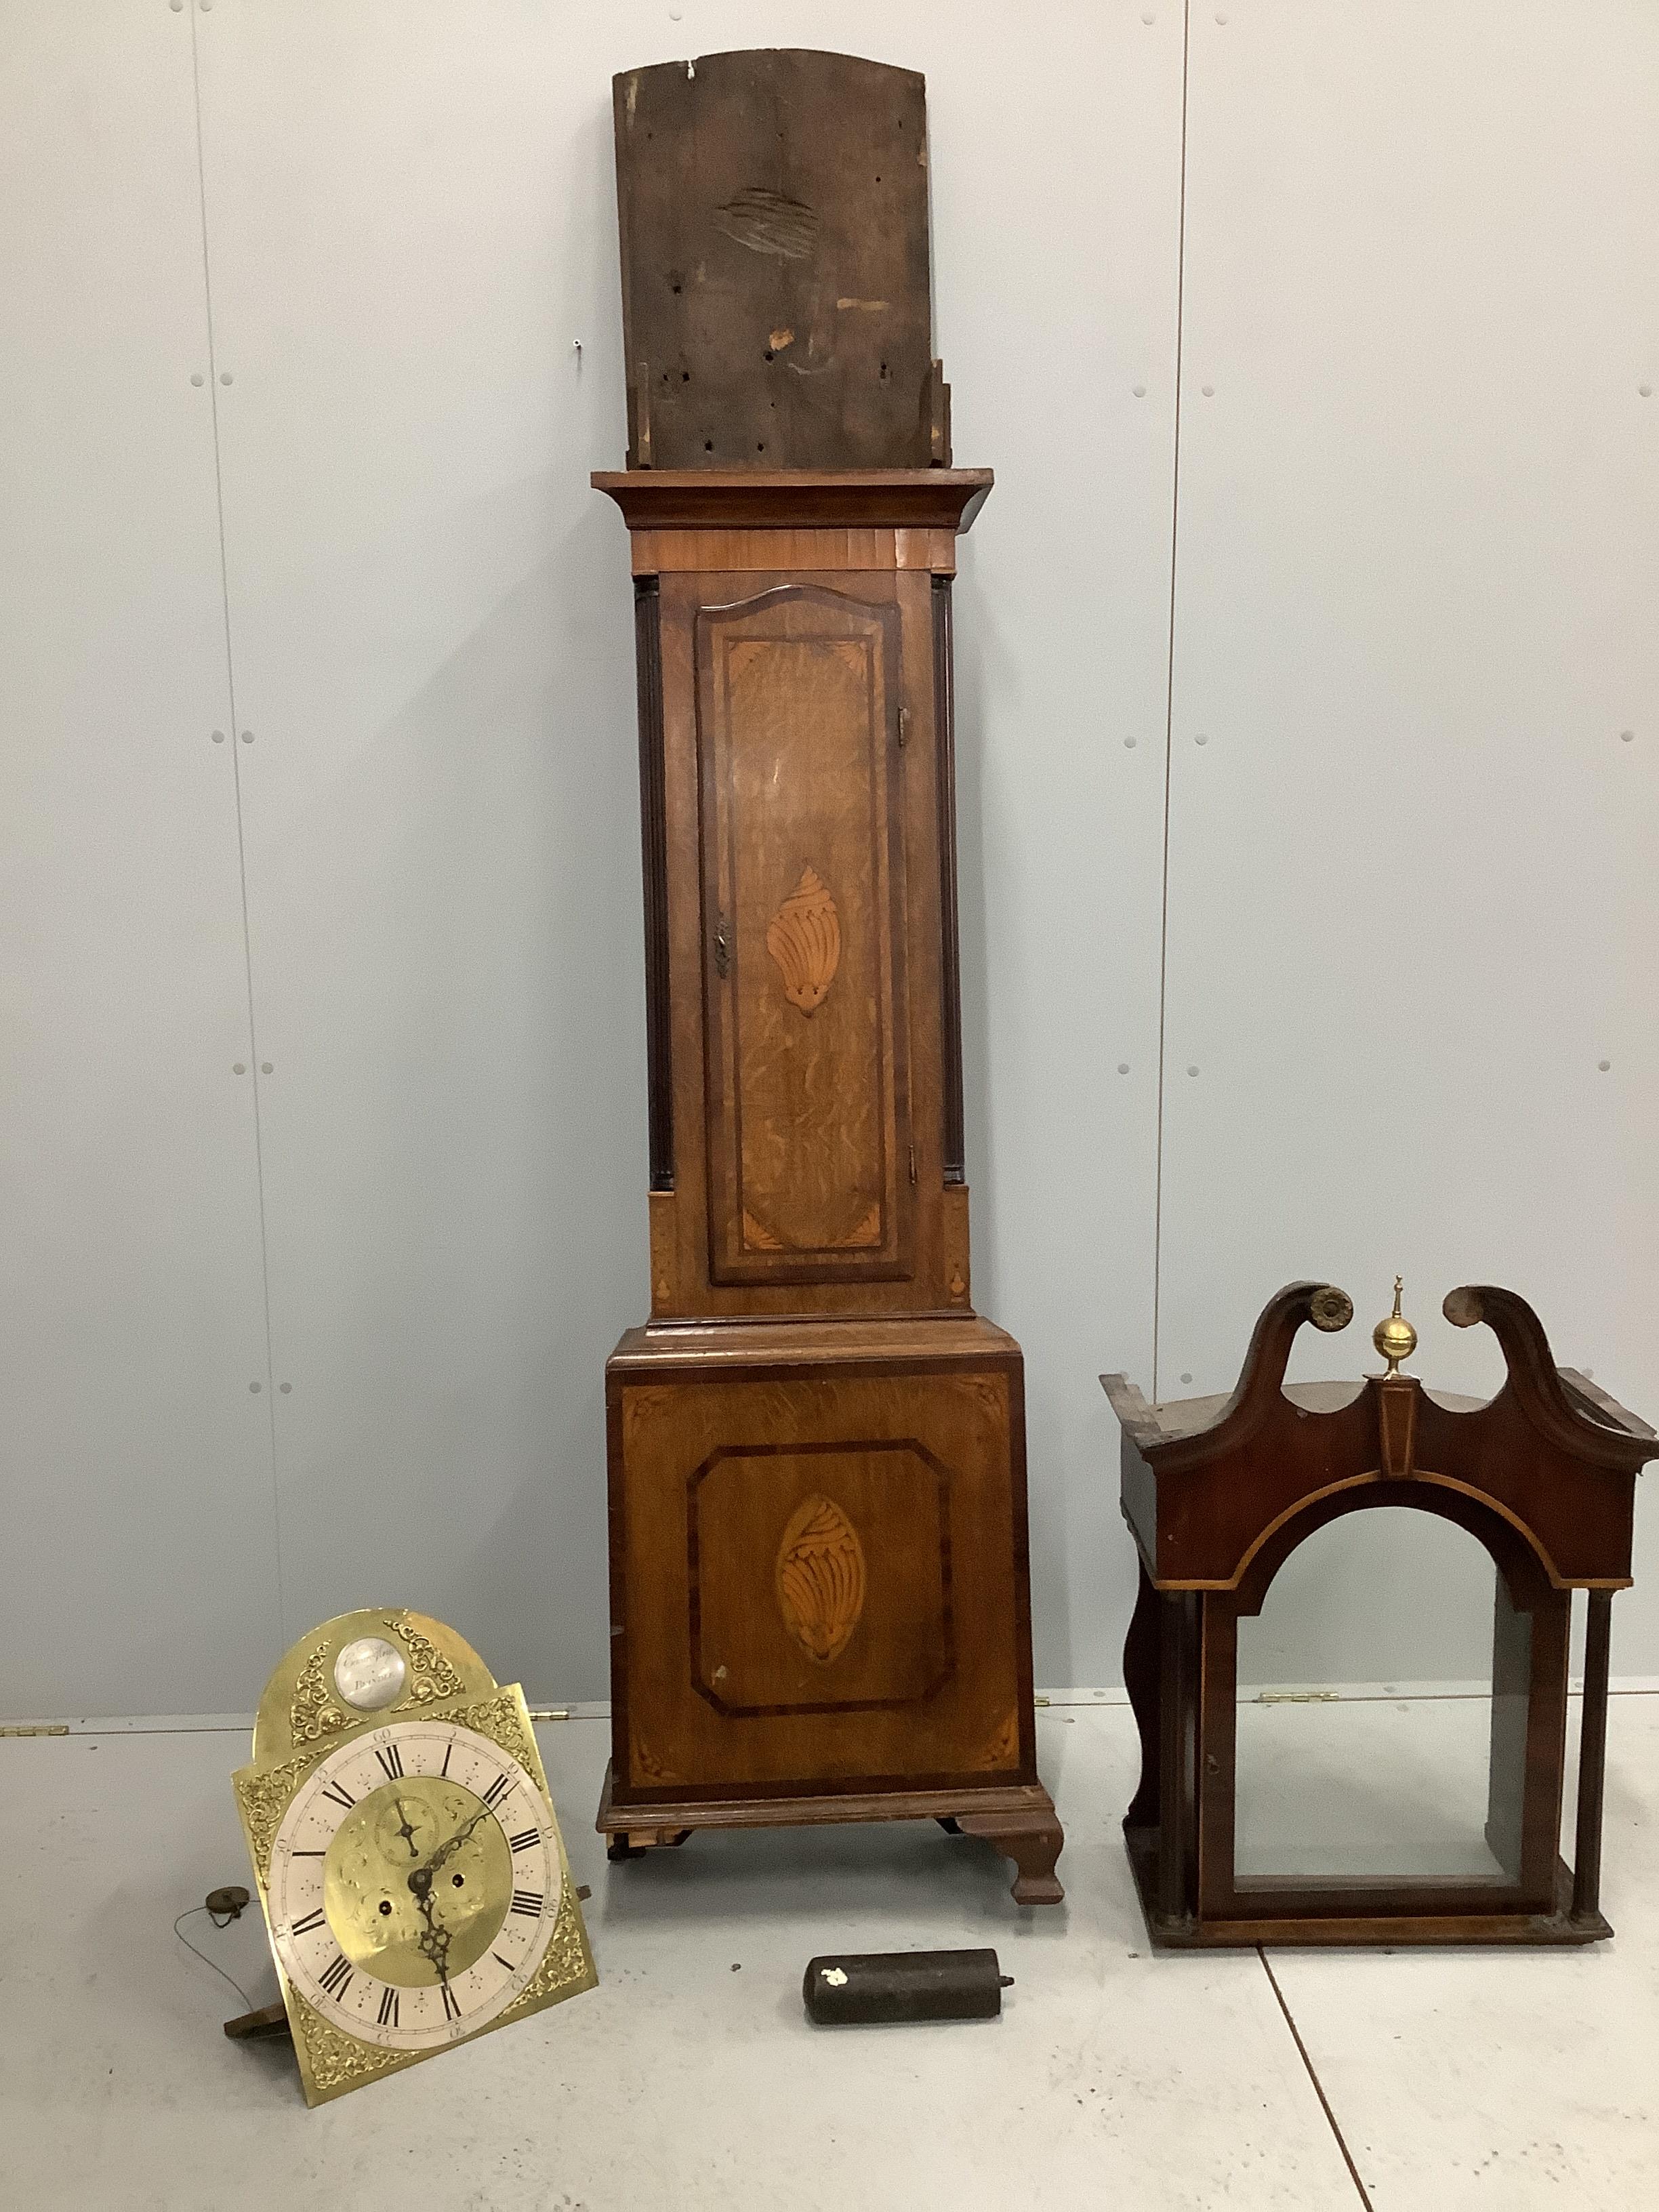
(903, 725)
(913, 1162)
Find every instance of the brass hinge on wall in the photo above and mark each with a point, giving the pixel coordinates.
(903, 725)
(913, 1162)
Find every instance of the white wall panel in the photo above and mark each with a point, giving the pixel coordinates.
(137, 1569)
(1413, 900)
(411, 213)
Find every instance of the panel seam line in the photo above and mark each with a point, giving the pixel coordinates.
(232, 735)
(1169, 720)
(1318, 2086)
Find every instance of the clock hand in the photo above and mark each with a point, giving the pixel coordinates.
(434, 1939)
(432, 1942)
(453, 1844)
(405, 1829)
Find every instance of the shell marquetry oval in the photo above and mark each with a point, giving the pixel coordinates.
(821, 1580)
(804, 938)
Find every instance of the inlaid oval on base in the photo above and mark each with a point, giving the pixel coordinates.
(821, 1579)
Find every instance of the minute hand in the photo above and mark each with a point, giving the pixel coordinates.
(446, 1849)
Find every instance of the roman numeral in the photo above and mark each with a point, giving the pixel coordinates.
(451, 2010)
(528, 1901)
(337, 1980)
(443, 1770)
(389, 2009)
(523, 1841)
(304, 1927)
(501, 1961)
(308, 1854)
(497, 1791)
(392, 1758)
(342, 1798)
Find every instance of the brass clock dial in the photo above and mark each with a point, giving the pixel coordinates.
(413, 1885)
(409, 1859)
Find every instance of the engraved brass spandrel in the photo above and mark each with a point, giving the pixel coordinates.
(312, 1713)
(299, 1705)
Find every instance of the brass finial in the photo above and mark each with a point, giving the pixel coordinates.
(1395, 1339)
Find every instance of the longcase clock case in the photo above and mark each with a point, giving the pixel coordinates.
(818, 1552)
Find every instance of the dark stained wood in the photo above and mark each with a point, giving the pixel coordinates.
(1180, 1932)
(1592, 1758)
(1509, 1453)
(945, 742)
(1217, 1495)
(785, 499)
(1511, 1683)
(660, 1073)
(1034, 1847)
(1025, 1829)
(1142, 1654)
(773, 209)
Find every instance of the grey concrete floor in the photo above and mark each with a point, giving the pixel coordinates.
(691, 2077)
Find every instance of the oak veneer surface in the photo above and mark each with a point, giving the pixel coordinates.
(810, 1151)
(802, 865)
(814, 1540)
(794, 498)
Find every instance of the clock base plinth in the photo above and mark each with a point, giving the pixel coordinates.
(819, 1577)
(1019, 1819)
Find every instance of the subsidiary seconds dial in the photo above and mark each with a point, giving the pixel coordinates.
(414, 1885)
